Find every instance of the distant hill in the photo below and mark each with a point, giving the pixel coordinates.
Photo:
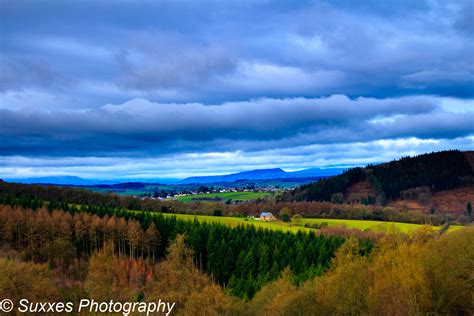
(61, 180)
(264, 174)
(259, 174)
(406, 177)
(247, 175)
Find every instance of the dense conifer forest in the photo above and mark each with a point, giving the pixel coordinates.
(241, 259)
(66, 256)
(438, 171)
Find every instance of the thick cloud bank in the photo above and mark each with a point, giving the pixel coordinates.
(160, 88)
(147, 128)
(83, 53)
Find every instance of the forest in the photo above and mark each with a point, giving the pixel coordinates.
(242, 259)
(438, 171)
(67, 256)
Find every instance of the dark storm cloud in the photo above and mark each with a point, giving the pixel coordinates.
(214, 51)
(17, 72)
(146, 128)
(163, 61)
(229, 84)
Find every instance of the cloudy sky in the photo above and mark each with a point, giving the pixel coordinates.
(151, 89)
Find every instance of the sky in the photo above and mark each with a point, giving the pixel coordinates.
(168, 89)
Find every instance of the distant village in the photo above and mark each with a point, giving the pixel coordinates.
(174, 195)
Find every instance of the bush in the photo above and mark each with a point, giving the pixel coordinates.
(297, 219)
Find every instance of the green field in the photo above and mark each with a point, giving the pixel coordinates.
(234, 196)
(378, 226)
(236, 221)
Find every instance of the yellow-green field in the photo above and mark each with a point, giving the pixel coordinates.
(224, 196)
(363, 225)
(236, 221)
(378, 226)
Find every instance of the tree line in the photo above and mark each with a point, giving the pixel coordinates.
(106, 275)
(32, 196)
(242, 259)
(438, 171)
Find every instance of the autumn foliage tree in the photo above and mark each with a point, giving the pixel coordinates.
(20, 280)
(178, 280)
(421, 274)
(112, 276)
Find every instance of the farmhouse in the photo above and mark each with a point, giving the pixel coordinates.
(267, 216)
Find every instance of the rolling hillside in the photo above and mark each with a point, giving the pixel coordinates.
(265, 174)
(362, 225)
(417, 178)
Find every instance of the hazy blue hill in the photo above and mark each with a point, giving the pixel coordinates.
(265, 174)
(63, 180)
(259, 174)
(247, 175)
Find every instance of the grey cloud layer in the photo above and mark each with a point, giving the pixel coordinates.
(184, 165)
(214, 51)
(295, 83)
(147, 128)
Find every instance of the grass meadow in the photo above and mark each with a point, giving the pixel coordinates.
(234, 196)
(297, 225)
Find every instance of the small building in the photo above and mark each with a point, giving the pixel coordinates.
(267, 216)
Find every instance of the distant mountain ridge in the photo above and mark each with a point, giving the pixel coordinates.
(265, 174)
(61, 180)
(258, 174)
